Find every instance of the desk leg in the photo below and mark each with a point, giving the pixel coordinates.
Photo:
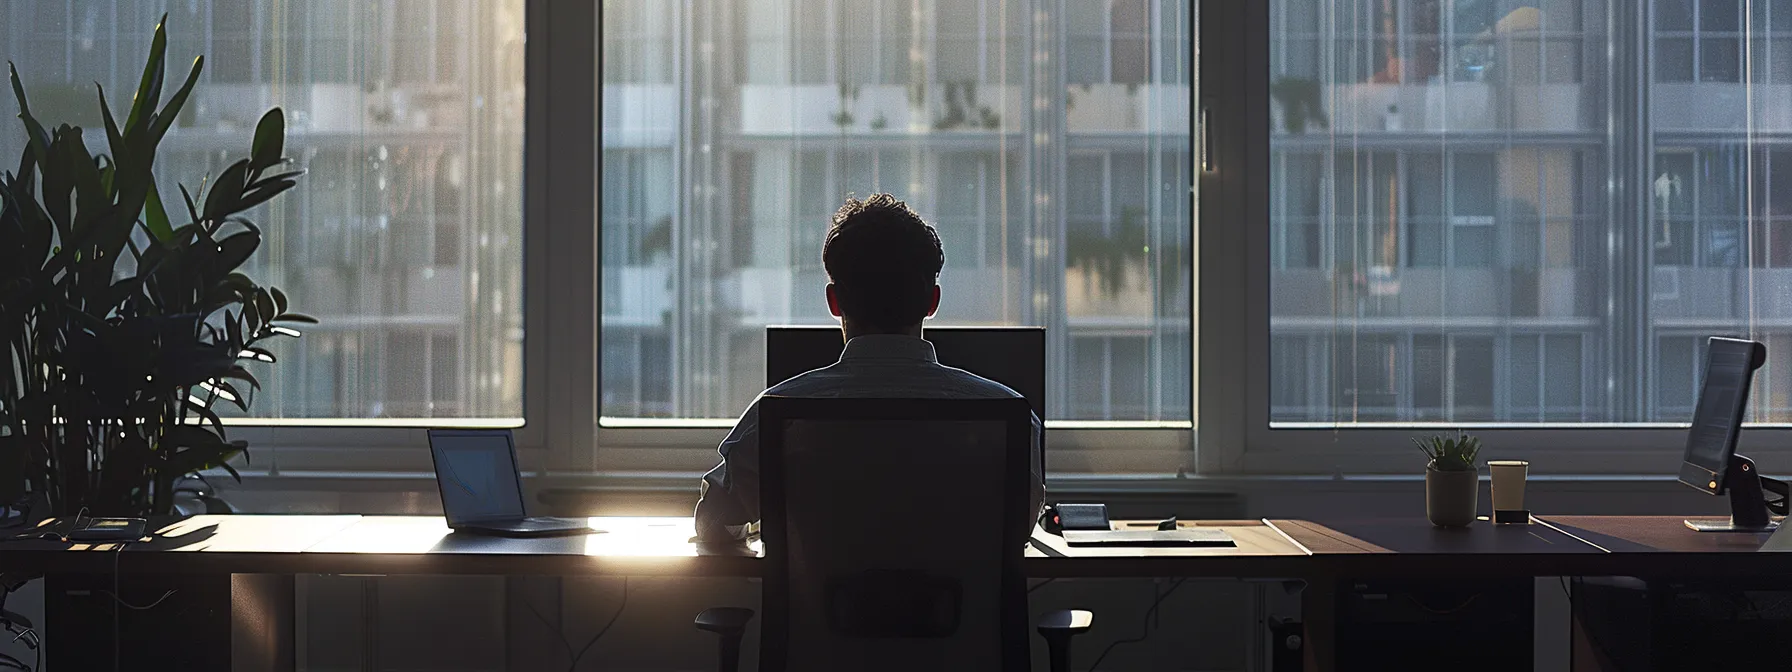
(1319, 613)
(262, 622)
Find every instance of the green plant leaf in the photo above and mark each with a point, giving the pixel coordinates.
(232, 329)
(179, 436)
(264, 307)
(233, 395)
(259, 354)
(239, 373)
(171, 111)
(225, 464)
(262, 192)
(192, 211)
(221, 200)
(121, 150)
(37, 140)
(155, 217)
(233, 251)
(279, 302)
(149, 88)
(270, 140)
(205, 413)
(295, 317)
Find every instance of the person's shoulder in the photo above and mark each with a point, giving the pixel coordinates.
(974, 385)
(805, 383)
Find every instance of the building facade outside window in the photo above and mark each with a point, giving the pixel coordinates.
(1048, 142)
(1451, 236)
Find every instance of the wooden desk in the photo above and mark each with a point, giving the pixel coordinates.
(1319, 553)
(1654, 534)
(351, 544)
(1664, 547)
(1262, 551)
(625, 547)
(1293, 549)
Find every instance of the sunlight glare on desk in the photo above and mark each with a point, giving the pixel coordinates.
(386, 534)
(249, 533)
(642, 536)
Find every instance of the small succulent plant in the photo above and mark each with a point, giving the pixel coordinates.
(1451, 453)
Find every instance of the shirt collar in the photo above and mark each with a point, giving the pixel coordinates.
(889, 346)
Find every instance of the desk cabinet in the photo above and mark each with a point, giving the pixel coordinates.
(1461, 626)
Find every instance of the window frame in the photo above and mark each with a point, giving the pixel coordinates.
(559, 433)
(1230, 400)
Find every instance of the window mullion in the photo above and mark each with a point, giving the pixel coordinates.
(561, 282)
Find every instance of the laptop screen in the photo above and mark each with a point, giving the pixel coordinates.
(476, 471)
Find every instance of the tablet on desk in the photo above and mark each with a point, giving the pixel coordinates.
(1179, 538)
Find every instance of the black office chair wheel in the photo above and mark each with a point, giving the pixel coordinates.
(1057, 628)
(729, 624)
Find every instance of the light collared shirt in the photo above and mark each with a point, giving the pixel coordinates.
(871, 366)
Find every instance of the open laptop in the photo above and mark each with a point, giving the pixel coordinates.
(482, 490)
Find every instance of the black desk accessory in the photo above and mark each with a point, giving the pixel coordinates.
(1061, 517)
(1750, 509)
(110, 529)
(1711, 463)
(1512, 517)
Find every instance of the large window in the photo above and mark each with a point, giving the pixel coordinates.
(405, 236)
(1472, 223)
(1049, 142)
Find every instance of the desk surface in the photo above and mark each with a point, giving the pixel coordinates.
(1407, 536)
(1654, 534)
(1266, 549)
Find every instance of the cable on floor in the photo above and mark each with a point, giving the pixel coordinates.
(1144, 630)
(606, 629)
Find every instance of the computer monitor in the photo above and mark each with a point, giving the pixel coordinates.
(1012, 356)
(1711, 463)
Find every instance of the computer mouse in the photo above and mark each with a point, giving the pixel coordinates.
(1166, 524)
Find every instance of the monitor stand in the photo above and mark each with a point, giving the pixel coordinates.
(1749, 509)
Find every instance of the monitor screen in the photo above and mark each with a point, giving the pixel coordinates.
(1717, 418)
(1012, 356)
(476, 471)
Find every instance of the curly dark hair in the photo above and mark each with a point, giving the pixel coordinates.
(884, 262)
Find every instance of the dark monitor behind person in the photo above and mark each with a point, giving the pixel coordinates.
(1012, 356)
(1711, 463)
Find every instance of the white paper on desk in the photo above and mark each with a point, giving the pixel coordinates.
(1179, 537)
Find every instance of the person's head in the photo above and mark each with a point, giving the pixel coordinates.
(883, 265)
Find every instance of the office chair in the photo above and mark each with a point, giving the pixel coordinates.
(894, 531)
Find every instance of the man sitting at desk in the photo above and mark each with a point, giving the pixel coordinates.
(883, 264)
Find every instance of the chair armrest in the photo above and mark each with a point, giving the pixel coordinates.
(15, 618)
(724, 620)
(1065, 623)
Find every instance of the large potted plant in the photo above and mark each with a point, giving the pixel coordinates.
(1452, 478)
(125, 321)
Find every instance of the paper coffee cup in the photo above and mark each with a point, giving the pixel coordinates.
(1508, 483)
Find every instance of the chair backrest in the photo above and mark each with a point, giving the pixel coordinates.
(890, 533)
